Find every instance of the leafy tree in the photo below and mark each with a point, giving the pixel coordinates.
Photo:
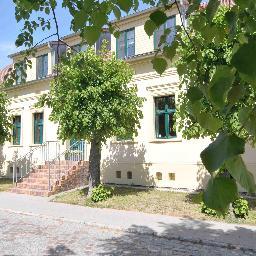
(91, 100)
(221, 94)
(5, 119)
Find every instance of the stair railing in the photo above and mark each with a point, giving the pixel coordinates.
(23, 165)
(72, 155)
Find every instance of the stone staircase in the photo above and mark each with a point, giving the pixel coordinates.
(64, 176)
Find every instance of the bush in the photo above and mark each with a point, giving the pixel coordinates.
(207, 210)
(101, 193)
(240, 208)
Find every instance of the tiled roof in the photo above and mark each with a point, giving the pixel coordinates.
(4, 72)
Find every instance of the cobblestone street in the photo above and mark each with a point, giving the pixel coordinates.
(31, 235)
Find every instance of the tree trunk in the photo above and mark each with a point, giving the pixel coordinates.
(94, 165)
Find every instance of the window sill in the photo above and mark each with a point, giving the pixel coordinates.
(124, 142)
(166, 140)
(15, 146)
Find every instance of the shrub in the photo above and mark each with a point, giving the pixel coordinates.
(101, 193)
(207, 210)
(240, 208)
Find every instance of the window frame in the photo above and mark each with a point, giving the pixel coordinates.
(165, 27)
(125, 44)
(16, 127)
(166, 111)
(20, 77)
(44, 75)
(38, 124)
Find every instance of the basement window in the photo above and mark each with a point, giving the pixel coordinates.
(129, 175)
(159, 176)
(172, 176)
(118, 174)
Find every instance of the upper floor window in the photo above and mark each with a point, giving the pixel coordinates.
(104, 36)
(38, 128)
(164, 117)
(169, 24)
(20, 72)
(80, 47)
(126, 44)
(16, 130)
(42, 66)
(57, 52)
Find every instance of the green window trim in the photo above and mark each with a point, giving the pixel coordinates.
(165, 27)
(38, 128)
(16, 130)
(126, 52)
(165, 113)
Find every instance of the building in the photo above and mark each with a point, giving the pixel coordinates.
(158, 156)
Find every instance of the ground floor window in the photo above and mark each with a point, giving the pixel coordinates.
(16, 130)
(164, 117)
(38, 128)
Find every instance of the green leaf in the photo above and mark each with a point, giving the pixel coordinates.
(169, 51)
(231, 18)
(125, 5)
(149, 27)
(91, 34)
(244, 59)
(247, 118)
(207, 121)
(158, 17)
(159, 64)
(236, 93)
(194, 6)
(239, 171)
(220, 193)
(220, 85)
(194, 94)
(212, 8)
(223, 148)
(117, 12)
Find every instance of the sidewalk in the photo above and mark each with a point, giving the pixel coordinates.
(215, 233)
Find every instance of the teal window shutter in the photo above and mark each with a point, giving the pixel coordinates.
(164, 117)
(38, 128)
(16, 130)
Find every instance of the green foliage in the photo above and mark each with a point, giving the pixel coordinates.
(240, 208)
(92, 98)
(5, 119)
(208, 211)
(101, 193)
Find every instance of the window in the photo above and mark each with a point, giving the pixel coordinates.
(38, 128)
(129, 175)
(103, 36)
(164, 117)
(58, 50)
(16, 130)
(20, 72)
(79, 48)
(170, 23)
(159, 176)
(126, 44)
(42, 66)
(172, 176)
(118, 174)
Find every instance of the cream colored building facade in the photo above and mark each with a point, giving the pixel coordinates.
(150, 159)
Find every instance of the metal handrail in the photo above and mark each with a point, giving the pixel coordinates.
(45, 147)
(71, 157)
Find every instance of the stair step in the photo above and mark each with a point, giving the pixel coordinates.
(34, 192)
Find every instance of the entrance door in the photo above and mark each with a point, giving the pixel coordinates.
(77, 150)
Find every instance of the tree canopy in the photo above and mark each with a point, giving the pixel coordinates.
(92, 99)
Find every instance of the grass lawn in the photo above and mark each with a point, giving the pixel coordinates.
(5, 184)
(154, 201)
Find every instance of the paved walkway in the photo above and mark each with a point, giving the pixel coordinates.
(201, 233)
